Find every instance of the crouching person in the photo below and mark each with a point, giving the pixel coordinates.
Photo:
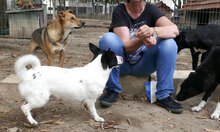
(142, 35)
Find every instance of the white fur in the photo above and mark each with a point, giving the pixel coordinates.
(82, 84)
(199, 50)
(59, 47)
(216, 113)
(199, 107)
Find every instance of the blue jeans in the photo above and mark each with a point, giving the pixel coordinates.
(160, 58)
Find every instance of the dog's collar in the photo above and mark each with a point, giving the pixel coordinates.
(53, 42)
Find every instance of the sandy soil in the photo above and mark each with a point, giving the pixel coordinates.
(125, 115)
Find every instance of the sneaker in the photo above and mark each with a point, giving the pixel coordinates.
(170, 105)
(109, 98)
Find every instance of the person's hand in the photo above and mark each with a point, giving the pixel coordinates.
(149, 41)
(144, 31)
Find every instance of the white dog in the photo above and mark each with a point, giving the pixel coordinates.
(81, 84)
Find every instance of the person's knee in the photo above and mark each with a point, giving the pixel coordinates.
(168, 45)
(110, 40)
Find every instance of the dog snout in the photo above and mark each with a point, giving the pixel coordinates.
(80, 24)
(19, 2)
(120, 60)
(83, 23)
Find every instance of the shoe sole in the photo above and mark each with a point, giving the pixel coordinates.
(105, 104)
(176, 111)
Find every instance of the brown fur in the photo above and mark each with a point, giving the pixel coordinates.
(25, 4)
(53, 38)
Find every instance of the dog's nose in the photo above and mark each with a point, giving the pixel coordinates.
(120, 60)
(83, 23)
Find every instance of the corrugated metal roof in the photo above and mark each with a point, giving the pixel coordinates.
(201, 4)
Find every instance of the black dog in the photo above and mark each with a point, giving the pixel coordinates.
(205, 79)
(199, 41)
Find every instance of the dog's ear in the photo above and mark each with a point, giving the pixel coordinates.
(108, 49)
(19, 2)
(94, 48)
(69, 11)
(61, 15)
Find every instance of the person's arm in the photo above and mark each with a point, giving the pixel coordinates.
(164, 28)
(124, 35)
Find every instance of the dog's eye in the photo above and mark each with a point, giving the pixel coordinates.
(72, 18)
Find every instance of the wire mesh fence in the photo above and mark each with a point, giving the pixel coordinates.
(19, 18)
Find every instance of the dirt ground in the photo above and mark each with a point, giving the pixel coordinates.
(125, 115)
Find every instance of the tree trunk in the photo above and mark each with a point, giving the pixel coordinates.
(179, 3)
(93, 6)
(4, 16)
(175, 4)
(54, 9)
(64, 4)
(106, 2)
(97, 8)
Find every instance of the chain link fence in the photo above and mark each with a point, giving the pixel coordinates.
(20, 20)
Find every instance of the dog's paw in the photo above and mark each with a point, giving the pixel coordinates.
(196, 108)
(34, 123)
(215, 116)
(100, 119)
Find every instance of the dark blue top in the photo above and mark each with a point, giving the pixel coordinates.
(121, 17)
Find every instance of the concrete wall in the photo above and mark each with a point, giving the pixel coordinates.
(135, 85)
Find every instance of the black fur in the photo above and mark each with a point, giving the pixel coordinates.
(203, 37)
(108, 59)
(205, 78)
(36, 36)
(95, 50)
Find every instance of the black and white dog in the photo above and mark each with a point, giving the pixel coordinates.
(199, 41)
(205, 79)
(80, 84)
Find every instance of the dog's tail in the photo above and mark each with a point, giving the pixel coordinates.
(22, 62)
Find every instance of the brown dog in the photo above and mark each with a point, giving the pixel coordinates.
(53, 38)
(25, 4)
